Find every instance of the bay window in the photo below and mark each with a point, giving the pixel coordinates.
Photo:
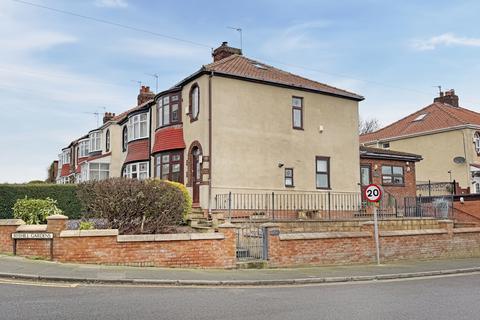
(98, 171)
(168, 110)
(169, 166)
(95, 141)
(83, 149)
(138, 127)
(138, 170)
(66, 156)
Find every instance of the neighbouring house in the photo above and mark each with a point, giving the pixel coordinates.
(445, 134)
(238, 125)
(52, 172)
(393, 170)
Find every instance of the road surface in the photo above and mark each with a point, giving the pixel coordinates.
(451, 297)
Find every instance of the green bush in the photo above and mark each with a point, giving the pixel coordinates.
(64, 194)
(187, 204)
(134, 206)
(85, 225)
(35, 211)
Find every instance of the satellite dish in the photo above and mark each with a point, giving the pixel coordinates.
(459, 160)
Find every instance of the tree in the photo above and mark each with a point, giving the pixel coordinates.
(368, 125)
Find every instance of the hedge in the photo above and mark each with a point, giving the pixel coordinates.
(65, 194)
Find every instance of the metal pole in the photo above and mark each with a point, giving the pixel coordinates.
(273, 205)
(230, 206)
(375, 226)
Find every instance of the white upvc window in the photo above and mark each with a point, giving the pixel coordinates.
(66, 156)
(476, 141)
(138, 170)
(138, 127)
(83, 149)
(98, 171)
(95, 139)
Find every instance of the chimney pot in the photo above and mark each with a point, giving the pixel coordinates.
(448, 97)
(144, 95)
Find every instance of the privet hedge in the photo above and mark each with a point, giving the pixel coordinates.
(64, 194)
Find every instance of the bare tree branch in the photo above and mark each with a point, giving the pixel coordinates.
(368, 125)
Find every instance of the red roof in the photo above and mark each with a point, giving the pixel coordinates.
(241, 66)
(138, 151)
(65, 170)
(433, 117)
(168, 139)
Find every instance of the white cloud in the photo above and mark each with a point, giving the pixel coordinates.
(111, 3)
(446, 39)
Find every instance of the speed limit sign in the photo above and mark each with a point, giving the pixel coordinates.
(373, 193)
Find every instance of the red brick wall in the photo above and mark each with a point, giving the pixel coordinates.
(188, 253)
(469, 211)
(33, 248)
(399, 192)
(6, 242)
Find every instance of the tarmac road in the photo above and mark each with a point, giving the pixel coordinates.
(448, 297)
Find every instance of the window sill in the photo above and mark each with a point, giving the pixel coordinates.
(142, 138)
(298, 128)
(169, 125)
(328, 188)
(289, 187)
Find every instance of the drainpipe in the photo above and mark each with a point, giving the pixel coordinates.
(210, 143)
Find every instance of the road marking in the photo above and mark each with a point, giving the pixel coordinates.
(38, 284)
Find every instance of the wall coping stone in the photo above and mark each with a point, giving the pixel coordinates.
(395, 233)
(57, 217)
(466, 230)
(32, 228)
(227, 225)
(11, 222)
(89, 233)
(170, 237)
(323, 235)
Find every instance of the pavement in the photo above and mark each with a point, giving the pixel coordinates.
(38, 270)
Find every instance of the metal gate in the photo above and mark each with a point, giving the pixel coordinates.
(252, 242)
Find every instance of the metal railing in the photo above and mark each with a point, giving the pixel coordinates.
(301, 206)
(439, 207)
(429, 188)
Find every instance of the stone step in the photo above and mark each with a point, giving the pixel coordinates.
(195, 215)
(253, 264)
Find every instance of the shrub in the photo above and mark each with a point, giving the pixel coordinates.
(85, 225)
(35, 211)
(187, 204)
(64, 194)
(134, 206)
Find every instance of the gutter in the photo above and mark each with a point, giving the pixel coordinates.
(210, 142)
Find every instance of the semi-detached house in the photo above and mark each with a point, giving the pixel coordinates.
(237, 125)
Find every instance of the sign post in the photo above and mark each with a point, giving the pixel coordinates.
(373, 194)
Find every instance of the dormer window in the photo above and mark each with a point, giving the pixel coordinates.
(95, 139)
(138, 127)
(476, 141)
(194, 102)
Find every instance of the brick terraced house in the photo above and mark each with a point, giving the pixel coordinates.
(234, 125)
(445, 134)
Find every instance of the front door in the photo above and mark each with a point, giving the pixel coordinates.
(196, 174)
(365, 176)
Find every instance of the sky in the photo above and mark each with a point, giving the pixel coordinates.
(56, 70)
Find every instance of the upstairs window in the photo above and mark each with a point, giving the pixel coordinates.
(95, 141)
(168, 110)
(138, 127)
(288, 177)
(83, 149)
(66, 157)
(322, 172)
(297, 113)
(107, 141)
(476, 141)
(392, 175)
(194, 102)
(124, 138)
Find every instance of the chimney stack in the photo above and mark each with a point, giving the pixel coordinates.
(145, 95)
(224, 51)
(448, 97)
(108, 116)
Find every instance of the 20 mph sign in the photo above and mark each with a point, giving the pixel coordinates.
(373, 193)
